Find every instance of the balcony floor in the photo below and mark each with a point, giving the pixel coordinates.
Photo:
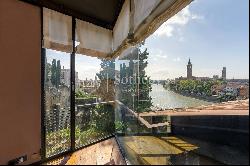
(178, 150)
(104, 153)
(151, 150)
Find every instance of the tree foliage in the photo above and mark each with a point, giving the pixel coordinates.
(106, 90)
(134, 84)
(195, 86)
(55, 72)
(58, 74)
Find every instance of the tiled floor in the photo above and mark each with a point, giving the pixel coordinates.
(150, 150)
(103, 153)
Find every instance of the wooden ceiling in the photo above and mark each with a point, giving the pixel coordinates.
(103, 13)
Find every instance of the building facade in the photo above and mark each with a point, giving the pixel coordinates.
(224, 73)
(65, 77)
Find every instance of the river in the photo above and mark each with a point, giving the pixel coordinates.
(167, 99)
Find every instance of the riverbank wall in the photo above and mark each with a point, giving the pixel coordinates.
(199, 97)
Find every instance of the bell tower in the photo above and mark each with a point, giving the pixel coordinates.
(189, 70)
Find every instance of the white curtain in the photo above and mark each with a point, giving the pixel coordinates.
(142, 9)
(141, 18)
(137, 20)
(93, 40)
(57, 31)
(122, 26)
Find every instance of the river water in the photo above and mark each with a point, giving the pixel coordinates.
(167, 99)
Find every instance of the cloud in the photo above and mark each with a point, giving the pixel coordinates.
(177, 21)
(178, 59)
(157, 54)
(181, 38)
(157, 71)
(161, 56)
(164, 30)
(87, 71)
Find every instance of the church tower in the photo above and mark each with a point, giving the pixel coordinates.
(224, 73)
(189, 70)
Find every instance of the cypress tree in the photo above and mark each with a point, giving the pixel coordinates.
(144, 101)
(58, 74)
(53, 72)
(134, 92)
(46, 70)
(107, 77)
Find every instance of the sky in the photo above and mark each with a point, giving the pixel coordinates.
(212, 33)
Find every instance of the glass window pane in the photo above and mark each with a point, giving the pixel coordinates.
(57, 102)
(94, 99)
(176, 110)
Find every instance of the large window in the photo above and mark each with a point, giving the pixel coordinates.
(94, 99)
(67, 126)
(177, 104)
(57, 102)
(166, 104)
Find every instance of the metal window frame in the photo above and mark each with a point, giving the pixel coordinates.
(43, 55)
(72, 101)
(72, 97)
(72, 86)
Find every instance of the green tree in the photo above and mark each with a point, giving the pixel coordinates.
(58, 74)
(106, 89)
(195, 86)
(135, 85)
(144, 87)
(47, 70)
(53, 72)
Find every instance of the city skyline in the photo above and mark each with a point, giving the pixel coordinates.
(219, 39)
(212, 40)
(190, 76)
(189, 72)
